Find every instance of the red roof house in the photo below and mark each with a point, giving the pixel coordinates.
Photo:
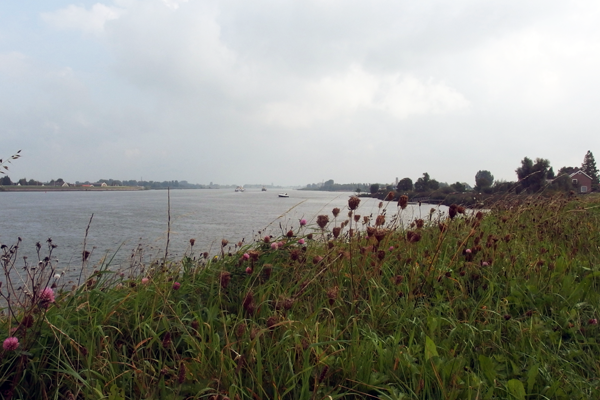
(582, 181)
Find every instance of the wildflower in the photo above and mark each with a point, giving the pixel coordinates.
(335, 212)
(176, 286)
(485, 264)
(274, 245)
(267, 239)
(380, 220)
(246, 256)
(10, 343)
(593, 321)
(468, 251)
(302, 222)
(192, 242)
(403, 201)
(57, 276)
(391, 248)
(322, 221)
(353, 202)
(47, 296)
(145, 280)
(224, 279)
(301, 241)
(317, 259)
(249, 270)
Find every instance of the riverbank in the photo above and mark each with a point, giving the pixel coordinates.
(496, 305)
(68, 189)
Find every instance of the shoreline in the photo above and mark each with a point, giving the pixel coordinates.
(71, 189)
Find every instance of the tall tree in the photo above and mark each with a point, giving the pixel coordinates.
(483, 179)
(405, 185)
(589, 166)
(532, 176)
(374, 188)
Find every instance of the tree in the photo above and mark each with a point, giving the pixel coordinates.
(5, 181)
(405, 185)
(459, 187)
(567, 170)
(374, 188)
(532, 177)
(589, 166)
(425, 183)
(483, 179)
(23, 181)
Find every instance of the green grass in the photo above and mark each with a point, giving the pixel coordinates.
(383, 317)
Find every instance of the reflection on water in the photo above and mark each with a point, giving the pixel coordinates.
(124, 220)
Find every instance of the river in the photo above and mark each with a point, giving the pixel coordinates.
(125, 221)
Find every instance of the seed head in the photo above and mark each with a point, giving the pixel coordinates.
(336, 231)
(335, 212)
(403, 201)
(322, 221)
(224, 279)
(192, 242)
(389, 196)
(380, 220)
(353, 203)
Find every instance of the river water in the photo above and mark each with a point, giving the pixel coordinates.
(124, 221)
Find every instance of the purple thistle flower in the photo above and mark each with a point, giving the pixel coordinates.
(246, 256)
(302, 222)
(47, 295)
(301, 241)
(176, 286)
(10, 343)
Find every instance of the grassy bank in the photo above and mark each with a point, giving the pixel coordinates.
(477, 306)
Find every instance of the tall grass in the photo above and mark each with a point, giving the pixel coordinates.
(493, 305)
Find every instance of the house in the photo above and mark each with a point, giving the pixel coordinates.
(103, 184)
(582, 181)
(65, 184)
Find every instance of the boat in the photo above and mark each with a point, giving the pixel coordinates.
(264, 189)
(239, 189)
(284, 195)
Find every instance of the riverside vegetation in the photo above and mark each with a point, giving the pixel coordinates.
(464, 305)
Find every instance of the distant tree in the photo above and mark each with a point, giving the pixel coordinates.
(33, 182)
(23, 181)
(374, 188)
(483, 179)
(5, 181)
(459, 187)
(425, 183)
(60, 182)
(328, 183)
(532, 177)
(562, 183)
(405, 185)
(358, 190)
(567, 170)
(551, 174)
(589, 166)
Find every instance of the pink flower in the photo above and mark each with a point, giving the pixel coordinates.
(246, 256)
(391, 248)
(47, 295)
(280, 244)
(10, 343)
(249, 270)
(593, 321)
(176, 286)
(274, 245)
(468, 251)
(145, 280)
(302, 222)
(484, 264)
(267, 239)
(301, 241)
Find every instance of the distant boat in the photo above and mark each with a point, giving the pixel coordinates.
(284, 195)
(239, 189)
(264, 189)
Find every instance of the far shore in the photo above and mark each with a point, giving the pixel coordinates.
(68, 189)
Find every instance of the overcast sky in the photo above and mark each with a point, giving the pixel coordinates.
(296, 92)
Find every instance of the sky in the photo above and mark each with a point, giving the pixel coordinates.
(295, 92)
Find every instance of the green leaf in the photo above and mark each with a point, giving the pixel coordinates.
(487, 367)
(516, 389)
(430, 348)
(531, 377)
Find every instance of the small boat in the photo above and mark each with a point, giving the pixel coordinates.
(264, 189)
(284, 195)
(239, 189)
